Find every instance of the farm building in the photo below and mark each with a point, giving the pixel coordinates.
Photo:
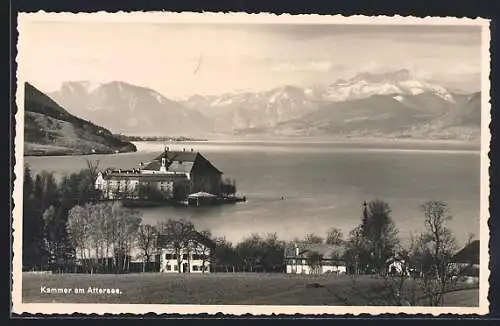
(467, 261)
(171, 175)
(191, 255)
(469, 255)
(309, 258)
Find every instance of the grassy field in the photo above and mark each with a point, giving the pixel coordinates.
(221, 288)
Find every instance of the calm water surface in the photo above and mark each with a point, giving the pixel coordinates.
(323, 183)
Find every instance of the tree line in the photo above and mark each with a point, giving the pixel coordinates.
(46, 204)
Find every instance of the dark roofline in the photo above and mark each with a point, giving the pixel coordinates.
(468, 254)
(208, 163)
(143, 176)
(174, 157)
(195, 235)
(176, 153)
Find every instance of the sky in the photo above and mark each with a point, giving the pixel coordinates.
(180, 60)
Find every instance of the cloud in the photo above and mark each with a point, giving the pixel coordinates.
(308, 66)
(164, 56)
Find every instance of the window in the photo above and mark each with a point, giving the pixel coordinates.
(184, 256)
(168, 256)
(176, 268)
(195, 268)
(169, 268)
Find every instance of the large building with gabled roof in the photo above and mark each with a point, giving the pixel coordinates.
(170, 175)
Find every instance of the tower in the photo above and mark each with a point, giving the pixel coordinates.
(163, 167)
(364, 223)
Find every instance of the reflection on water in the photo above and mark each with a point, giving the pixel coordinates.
(323, 184)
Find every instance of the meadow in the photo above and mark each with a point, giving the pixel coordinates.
(222, 289)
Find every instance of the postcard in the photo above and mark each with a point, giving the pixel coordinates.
(251, 164)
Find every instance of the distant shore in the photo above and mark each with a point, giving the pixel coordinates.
(331, 139)
(470, 143)
(32, 149)
(159, 138)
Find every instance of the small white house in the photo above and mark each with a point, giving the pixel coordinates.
(397, 266)
(194, 257)
(306, 258)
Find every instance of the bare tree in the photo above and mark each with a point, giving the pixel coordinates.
(146, 241)
(49, 219)
(202, 250)
(123, 226)
(313, 239)
(434, 251)
(177, 236)
(315, 262)
(427, 271)
(356, 248)
(335, 237)
(99, 213)
(401, 288)
(92, 168)
(79, 231)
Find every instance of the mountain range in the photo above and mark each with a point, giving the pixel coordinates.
(51, 130)
(394, 105)
(130, 109)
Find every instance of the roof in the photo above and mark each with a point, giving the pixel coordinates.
(202, 194)
(469, 254)
(326, 250)
(178, 161)
(141, 176)
(163, 239)
(185, 156)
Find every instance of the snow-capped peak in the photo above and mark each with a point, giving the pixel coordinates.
(91, 86)
(159, 98)
(387, 77)
(400, 82)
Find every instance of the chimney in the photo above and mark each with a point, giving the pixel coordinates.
(296, 250)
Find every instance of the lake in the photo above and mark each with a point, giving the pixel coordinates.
(324, 183)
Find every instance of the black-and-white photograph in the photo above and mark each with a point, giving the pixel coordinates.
(252, 163)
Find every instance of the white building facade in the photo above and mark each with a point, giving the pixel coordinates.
(190, 262)
(298, 259)
(302, 267)
(195, 256)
